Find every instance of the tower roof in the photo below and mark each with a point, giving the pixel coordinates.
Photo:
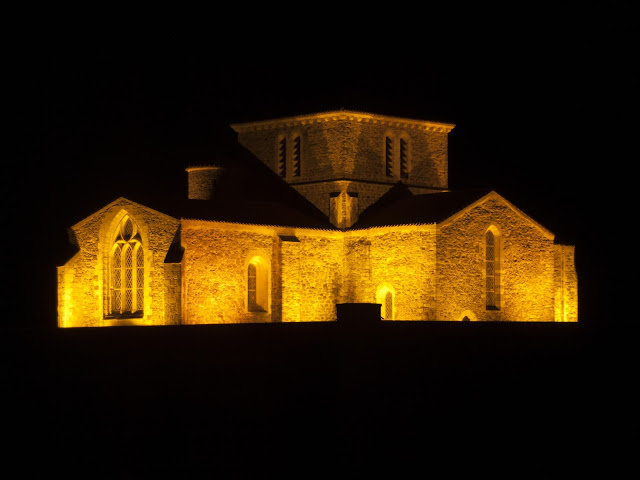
(336, 115)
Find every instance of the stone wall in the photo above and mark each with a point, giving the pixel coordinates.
(305, 272)
(434, 272)
(83, 280)
(351, 147)
(173, 293)
(403, 259)
(203, 181)
(214, 269)
(320, 275)
(399, 259)
(318, 193)
(527, 265)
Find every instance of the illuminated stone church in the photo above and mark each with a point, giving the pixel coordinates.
(309, 212)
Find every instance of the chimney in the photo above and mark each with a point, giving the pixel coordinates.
(204, 181)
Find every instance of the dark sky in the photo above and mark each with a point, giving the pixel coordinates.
(104, 100)
(96, 120)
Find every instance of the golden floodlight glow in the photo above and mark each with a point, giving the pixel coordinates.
(474, 257)
(234, 273)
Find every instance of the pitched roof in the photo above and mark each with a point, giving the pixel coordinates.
(335, 115)
(254, 213)
(399, 207)
(250, 193)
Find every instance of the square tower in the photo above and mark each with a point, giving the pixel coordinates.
(344, 161)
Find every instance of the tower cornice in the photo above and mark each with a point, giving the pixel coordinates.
(343, 115)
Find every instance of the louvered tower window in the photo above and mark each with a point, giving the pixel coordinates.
(492, 271)
(126, 293)
(404, 158)
(296, 156)
(282, 157)
(388, 156)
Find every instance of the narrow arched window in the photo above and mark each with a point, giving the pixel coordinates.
(388, 156)
(251, 287)
(257, 285)
(385, 297)
(388, 306)
(126, 266)
(492, 270)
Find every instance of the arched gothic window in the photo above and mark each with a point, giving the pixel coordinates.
(126, 269)
(257, 285)
(492, 270)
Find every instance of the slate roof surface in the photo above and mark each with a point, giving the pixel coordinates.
(253, 212)
(400, 207)
(250, 193)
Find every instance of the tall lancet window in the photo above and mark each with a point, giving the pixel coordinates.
(385, 296)
(258, 285)
(492, 269)
(388, 156)
(126, 292)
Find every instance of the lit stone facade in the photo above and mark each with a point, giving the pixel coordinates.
(479, 259)
(346, 152)
(84, 281)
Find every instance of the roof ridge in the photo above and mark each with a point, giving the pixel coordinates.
(330, 115)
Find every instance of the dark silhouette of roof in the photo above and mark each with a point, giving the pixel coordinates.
(400, 207)
(249, 192)
(253, 212)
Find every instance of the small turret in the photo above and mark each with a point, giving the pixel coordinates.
(204, 181)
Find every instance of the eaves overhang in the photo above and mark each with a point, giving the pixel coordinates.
(343, 115)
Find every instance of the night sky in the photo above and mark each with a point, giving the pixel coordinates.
(98, 121)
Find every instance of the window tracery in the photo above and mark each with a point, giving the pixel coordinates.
(126, 271)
